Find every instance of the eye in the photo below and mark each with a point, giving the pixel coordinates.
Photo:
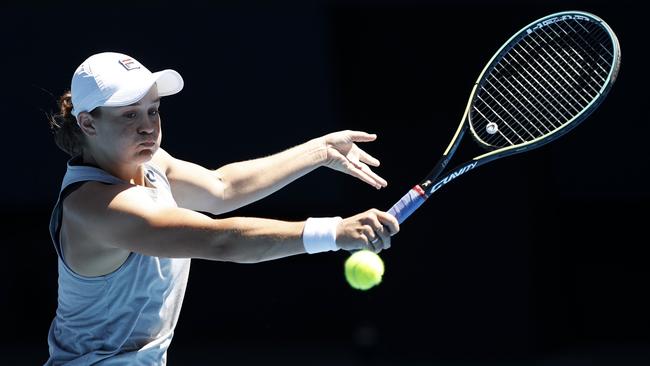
(130, 115)
(154, 112)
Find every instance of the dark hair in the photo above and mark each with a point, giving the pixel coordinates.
(67, 134)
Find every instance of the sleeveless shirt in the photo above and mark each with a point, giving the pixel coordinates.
(128, 316)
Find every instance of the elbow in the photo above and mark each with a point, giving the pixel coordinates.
(222, 187)
(222, 196)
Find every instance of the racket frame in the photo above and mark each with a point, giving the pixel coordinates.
(416, 196)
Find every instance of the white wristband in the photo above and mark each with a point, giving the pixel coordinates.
(319, 234)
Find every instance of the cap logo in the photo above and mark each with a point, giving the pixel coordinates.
(129, 64)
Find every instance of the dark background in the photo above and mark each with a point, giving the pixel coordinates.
(534, 260)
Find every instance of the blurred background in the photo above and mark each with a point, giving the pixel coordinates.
(537, 259)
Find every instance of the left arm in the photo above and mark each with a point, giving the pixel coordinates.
(238, 184)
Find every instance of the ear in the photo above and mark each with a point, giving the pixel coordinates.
(86, 123)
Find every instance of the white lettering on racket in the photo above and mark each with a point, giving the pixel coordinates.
(553, 20)
(452, 176)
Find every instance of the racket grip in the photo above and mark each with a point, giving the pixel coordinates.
(407, 205)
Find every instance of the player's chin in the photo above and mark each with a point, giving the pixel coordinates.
(144, 153)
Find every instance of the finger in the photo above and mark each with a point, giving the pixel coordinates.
(353, 157)
(359, 170)
(384, 239)
(372, 239)
(366, 169)
(347, 163)
(360, 174)
(367, 158)
(378, 237)
(387, 245)
(389, 221)
(380, 231)
(376, 244)
(361, 158)
(371, 219)
(361, 136)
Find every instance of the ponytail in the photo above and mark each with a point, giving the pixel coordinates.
(67, 134)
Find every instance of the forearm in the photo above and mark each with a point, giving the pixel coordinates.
(238, 184)
(251, 180)
(252, 240)
(177, 232)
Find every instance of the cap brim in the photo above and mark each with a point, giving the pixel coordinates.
(169, 82)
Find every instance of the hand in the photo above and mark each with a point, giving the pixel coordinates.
(368, 230)
(345, 156)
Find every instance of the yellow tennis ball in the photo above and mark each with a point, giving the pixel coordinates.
(364, 269)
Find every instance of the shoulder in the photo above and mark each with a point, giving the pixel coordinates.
(96, 217)
(91, 216)
(176, 170)
(163, 160)
(96, 205)
(97, 194)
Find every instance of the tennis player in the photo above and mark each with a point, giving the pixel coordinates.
(128, 221)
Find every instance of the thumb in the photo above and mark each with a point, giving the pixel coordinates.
(360, 136)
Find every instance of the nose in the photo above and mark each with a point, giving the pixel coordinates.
(148, 125)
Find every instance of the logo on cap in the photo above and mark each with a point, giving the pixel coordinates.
(129, 64)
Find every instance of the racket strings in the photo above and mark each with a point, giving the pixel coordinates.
(599, 71)
(552, 94)
(601, 38)
(555, 90)
(544, 81)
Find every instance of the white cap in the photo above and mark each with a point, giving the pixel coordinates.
(112, 79)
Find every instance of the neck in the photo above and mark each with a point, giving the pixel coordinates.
(132, 173)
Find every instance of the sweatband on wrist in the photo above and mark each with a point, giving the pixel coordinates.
(319, 234)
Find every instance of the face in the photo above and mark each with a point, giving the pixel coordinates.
(126, 135)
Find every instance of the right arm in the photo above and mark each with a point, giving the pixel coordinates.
(121, 216)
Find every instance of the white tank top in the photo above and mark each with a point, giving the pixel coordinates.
(126, 317)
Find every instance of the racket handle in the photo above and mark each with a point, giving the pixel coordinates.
(407, 204)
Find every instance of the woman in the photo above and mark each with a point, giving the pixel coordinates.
(126, 223)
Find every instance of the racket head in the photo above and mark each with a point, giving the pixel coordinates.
(544, 81)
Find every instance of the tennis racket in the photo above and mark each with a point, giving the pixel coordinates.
(539, 85)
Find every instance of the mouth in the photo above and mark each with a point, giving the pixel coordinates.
(148, 144)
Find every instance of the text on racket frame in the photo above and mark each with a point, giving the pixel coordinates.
(452, 176)
(556, 19)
